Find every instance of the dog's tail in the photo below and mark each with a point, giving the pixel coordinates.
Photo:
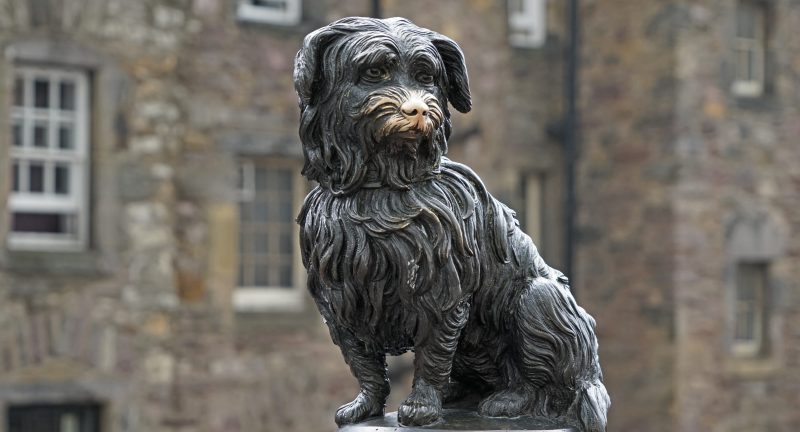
(591, 406)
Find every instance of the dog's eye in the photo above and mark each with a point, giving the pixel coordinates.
(425, 78)
(373, 74)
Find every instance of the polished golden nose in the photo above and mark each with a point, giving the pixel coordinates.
(414, 109)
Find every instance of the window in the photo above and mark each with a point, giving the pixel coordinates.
(270, 194)
(749, 48)
(750, 309)
(282, 12)
(527, 23)
(49, 148)
(54, 418)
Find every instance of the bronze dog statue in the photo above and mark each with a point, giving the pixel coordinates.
(406, 250)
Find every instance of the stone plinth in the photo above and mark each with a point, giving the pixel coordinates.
(460, 420)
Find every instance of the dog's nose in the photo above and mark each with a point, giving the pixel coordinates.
(414, 108)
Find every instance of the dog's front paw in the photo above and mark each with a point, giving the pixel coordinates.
(506, 403)
(422, 407)
(362, 407)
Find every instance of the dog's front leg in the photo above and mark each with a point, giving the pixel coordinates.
(369, 367)
(433, 361)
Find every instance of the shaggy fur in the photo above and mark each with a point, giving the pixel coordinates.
(406, 250)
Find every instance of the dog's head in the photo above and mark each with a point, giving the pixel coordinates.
(373, 101)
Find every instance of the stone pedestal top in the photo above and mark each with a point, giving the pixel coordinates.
(460, 420)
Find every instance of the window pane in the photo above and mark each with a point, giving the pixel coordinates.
(272, 4)
(17, 134)
(261, 243)
(61, 178)
(69, 423)
(15, 177)
(40, 135)
(67, 95)
(281, 180)
(742, 65)
(245, 246)
(54, 418)
(286, 242)
(285, 275)
(65, 138)
(262, 179)
(36, 177)
(271, 179)
(746, 17)
(41, 93)
(515, 6)
(53, 223)
(19, 92)
(284, 210)
(750, 286)
(246, 211)
(261, 274)
(260, 211)
(241, 281)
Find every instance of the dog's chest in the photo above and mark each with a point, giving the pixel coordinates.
(380, 255)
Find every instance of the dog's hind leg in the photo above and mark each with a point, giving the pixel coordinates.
(433, 362)
(369, 367)
(556, 350)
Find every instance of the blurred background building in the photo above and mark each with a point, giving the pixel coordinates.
(150, 278)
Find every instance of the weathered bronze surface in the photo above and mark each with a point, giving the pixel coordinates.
(407, 250)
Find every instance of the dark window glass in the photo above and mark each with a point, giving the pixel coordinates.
(67, 95)
(286, 241)
(17, 135)
(261, 243)
(41, 93)
(36, 177)
(746, 19)
(19, 92)
(42, 222)
(285, 210)
(54, 418)
(40, 135)
(285, 276)
(15, 177)
(61, 179)
(261, 274)
(260, 211)
(272, 4)
(65, 139)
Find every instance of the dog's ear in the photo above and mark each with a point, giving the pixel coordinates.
(456, 68)
(307, 67)
(308, 62)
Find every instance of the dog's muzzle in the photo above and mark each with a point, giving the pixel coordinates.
(402, 115)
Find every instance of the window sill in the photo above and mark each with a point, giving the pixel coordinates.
(753, 367)
(268, 300)
(48, 263)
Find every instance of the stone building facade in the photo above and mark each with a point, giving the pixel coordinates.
(161, 127)
(688, 245)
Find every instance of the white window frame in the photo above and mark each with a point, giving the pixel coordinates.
(752, 347)
(290, 15)
(752, 86)
(527, 27)
(76, 201)
(269, 298)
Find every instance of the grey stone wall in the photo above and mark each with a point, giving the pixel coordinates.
(736, 200)
(625, 220)
(679, 180)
